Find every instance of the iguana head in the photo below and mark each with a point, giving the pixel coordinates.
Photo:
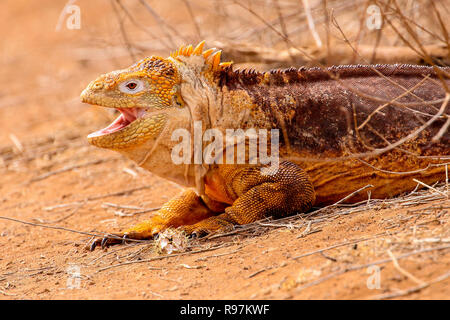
(156, 96)
(143, 93)
(147, 94)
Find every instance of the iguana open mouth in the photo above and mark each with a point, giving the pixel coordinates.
(127, 116)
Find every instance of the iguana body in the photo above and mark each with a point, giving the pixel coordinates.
(341, 129)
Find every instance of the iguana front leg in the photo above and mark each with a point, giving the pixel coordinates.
(258, 196)
(187, 208)
(253, 196)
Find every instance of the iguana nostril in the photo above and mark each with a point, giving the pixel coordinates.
(97, 85)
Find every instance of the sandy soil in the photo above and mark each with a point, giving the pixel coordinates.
(50, 176)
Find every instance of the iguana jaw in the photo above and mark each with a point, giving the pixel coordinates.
(129, 129)
(127, 117)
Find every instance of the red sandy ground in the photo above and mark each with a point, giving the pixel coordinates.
(43, 73)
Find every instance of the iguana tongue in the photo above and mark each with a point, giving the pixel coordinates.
(128, 115)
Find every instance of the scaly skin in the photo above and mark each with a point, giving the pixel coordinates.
(339, 127)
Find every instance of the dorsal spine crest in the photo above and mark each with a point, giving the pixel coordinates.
(212, 56)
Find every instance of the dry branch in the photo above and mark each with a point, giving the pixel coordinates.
(403, 271)
(69, 168)
(401, 293)
(66, 229)
(363, 266)
(246, 53)
(123, 32)
(164, 257)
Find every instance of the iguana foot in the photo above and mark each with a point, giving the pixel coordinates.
(185, 209)
(216, 224)
(145, 230)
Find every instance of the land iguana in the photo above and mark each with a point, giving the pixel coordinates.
(340, 128)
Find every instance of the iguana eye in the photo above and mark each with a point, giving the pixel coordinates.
(131, 86)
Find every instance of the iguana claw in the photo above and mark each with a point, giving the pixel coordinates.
(107, 241)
